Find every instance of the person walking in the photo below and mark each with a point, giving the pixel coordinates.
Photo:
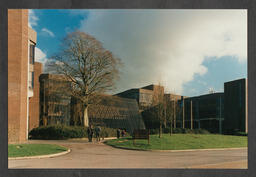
(97, 133)
(118, 133)
(123, 133)
(90, 133)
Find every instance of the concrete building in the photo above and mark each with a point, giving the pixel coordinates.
(146, 96)
(21, 55)
(236, 106)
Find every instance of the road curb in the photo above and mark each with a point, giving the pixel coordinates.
(188, 150)
(40, 156)
(182, 150)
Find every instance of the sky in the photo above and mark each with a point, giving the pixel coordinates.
(189, 52)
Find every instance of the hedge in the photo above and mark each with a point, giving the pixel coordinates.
(60, 132)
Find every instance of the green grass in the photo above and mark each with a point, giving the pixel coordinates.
(181, 142)
(22, 150)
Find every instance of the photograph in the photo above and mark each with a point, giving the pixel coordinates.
(127, 89)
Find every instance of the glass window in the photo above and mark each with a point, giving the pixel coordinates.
(32, 54)
(32, 80)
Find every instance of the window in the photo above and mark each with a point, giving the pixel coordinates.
(32, 84)
(32, 54)
(31, 80)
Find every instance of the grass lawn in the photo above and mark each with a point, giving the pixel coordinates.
(21, 150)
(182, 141)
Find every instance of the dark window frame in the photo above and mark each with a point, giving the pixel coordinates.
(32, 53)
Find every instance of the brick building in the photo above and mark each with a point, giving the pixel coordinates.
(21, 56)
(34, 102)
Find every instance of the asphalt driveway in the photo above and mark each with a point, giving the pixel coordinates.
(99, 155)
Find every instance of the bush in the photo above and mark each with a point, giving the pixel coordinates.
(201, 131)
(56, 132)
(235, 132)
(59, 132)
(108, 132)
(153, 131)
(177, 130)
(241, 134)
(166, 130)
(186, 130)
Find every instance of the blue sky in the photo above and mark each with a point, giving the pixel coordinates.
(187, 51)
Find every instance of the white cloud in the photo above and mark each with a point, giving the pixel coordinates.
(32, 18)
(48, 32)
(40, 56)
(168, 45)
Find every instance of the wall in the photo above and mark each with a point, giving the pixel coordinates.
(235, 105)
(34, 101)
(17, 74)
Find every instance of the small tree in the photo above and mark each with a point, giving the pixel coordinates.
(89, 67)
(169, 113)
(159, 103)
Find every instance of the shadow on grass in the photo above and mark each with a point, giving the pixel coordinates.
(140, 146)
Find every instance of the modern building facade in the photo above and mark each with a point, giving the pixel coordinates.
(110, 111)
(236, 108)
(204, 111)
(217, 112)
(54, 103)
(114, 112)
(21, 56)
(146, 96)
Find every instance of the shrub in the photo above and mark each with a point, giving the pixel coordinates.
(153, 131)
(166, 130)
(58, 132)
(187, 130)
(241, 134)
(108, 132)
(177, 130)
(235, 132)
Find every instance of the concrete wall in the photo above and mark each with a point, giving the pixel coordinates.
(17, 74)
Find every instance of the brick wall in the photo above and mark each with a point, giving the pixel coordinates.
(17, 74)
(34, 101)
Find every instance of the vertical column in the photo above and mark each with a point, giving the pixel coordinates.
(183, 113)
(191, 115)
(174, 113)
(220, 125)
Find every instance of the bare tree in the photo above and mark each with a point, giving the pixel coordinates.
(159, 103)
(91, 69)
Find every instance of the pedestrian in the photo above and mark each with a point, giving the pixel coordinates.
(123, 133)
(90, 133)
(118, 133)
(97, 133)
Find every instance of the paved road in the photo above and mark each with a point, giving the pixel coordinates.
(98, 155)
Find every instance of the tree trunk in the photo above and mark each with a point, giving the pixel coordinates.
(171, 129)
(86, 119)
(160, 130)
